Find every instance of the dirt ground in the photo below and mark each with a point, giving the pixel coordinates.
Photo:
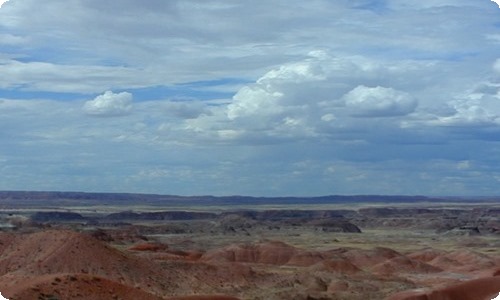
(319, 252)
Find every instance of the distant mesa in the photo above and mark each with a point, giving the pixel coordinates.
(19, 198)
(162, 215)
(56, 216)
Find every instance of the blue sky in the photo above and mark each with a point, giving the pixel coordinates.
(264, 98)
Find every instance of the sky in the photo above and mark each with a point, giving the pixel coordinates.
(251, 97)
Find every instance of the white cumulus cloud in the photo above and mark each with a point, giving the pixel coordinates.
(109, 104)
(300, 98)
(379, 101)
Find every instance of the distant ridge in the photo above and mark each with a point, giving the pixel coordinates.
(85, 198)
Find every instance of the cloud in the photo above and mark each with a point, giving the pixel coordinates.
(186, 109)
(188, 40)
(250, 96)
(60, 78)
(470, 111)
(254, 101)
(470, 114)
(415, 4)
(12, 40)
(109, 104)
(319, 95)
(496, 65)
(379, 101)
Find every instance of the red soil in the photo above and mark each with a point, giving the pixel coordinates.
(426, 255)
(306, 258)
(70, 265)
(52, 252)
(367, 258)
(148, 247)
(273, 253)
(403, 264)
(35, 260)
(477, 289)
(74, 286)
(336, 266)
(203, 298)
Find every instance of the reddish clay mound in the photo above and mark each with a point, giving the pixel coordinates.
(148, 247)
(215, 297)
(75, 287)
(477, 289)
(444, 263)
(220, 278)
(273, 253)
(426, 255)
(457, 261)
(6, 239)
(468, 261)
(172, 255)
(279, 253)
(58, 252)
(306, 258)
(337, 286)
(337, 266)
(419, 294)
(403, 264)
(62, 251)
(161, 252)
(368, 258)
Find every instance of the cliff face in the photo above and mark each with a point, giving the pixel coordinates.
(56, 216)
(280, 215)
(162, 215)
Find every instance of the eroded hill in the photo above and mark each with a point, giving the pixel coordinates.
(369, 252)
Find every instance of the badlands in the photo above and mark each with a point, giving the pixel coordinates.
(80, 246)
